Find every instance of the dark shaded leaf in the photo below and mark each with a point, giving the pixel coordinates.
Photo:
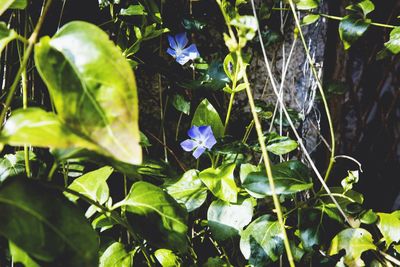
(351, 28)
(43, 223)
(6, 35)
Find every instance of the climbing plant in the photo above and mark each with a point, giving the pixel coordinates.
(84, 182)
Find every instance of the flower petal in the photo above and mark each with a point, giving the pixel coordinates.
(205, 130)
(171, 52)
(181, 40)
(191, 52)
(182, 59)
(172, 42)
(199, 150)
(189, 145)
(210, 142)
(194, 132)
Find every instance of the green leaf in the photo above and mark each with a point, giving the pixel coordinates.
(351, 28)
(307, 4)
(93, 88)
(188, 190)
(20, 256)
(133, 10)
(206, 114)
(227, 220)
(262, 241)
(280, 145)
(245, 169)
(12, 4)
(215, 262)
(156, 216)
(343, 198)
(368, 217)
(191, 24)
(389, 225)
(355, 241)
(116, 256)
(6, 35)
(14, 164)
(92, 185)
(393, 45)
(289, 177)
(309, 19)
(167, 258)
(221, 182)
(316, 227)
(181, 104)
(365, 6)
(37, 127)
(43, 223)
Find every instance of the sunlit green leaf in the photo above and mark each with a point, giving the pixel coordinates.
(227, 220)
(289, 177)
(368, 217)
(309, 19)
(14, 164)
(343, 198)
(43, 223)
(167, 258)
(156, 216)
(206, 114)
(280, 145)
(116, 256)
(307, 4)
(189, 190)
(20, 256)
(393, 45)
(262, 241)
(133, 10)
(245, 169)
(92, 87)
(221, 182)
(389, 225)
(92, 185)
(355, 241)
(6, 35)
(351, 28)
(37, 127)
(365, 6)
(13, 4)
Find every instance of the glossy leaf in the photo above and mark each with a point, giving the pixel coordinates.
(280, 145)
(307, 4)
(389, 225)
(43, 223)
(167, 258)
(156, 216)
(206, 114)
(351, 28)
(92, 87)
(189, 190)
(343, 198)
(245, 169)
(262, 241)
(316, 227)
(116, 256)
(309, 19)
(355, 241)
(227, 220)
(289, 177)
(133, 10)
(39, 128)
(393, 45)
(92, 185)
(20, 256)
(6, 35)
(221, 182)
(14, 164)
(368, 217)
(365, 6)
(14, 4)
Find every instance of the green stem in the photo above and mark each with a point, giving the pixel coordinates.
(31, 42)
(52, 171)
(267, 165)
(321, 91)
(228, 113)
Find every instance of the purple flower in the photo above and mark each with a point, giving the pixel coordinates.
(202, 138)
(177, 48)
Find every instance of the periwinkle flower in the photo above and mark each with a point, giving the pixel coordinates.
(202, 138)
(177, 48)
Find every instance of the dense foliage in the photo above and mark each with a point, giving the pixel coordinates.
(80, 184)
